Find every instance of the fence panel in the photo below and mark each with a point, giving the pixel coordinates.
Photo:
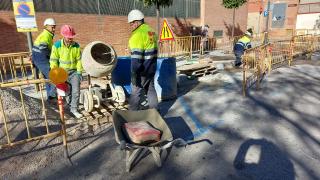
(281, 54)
(15, 67)
(30, 122)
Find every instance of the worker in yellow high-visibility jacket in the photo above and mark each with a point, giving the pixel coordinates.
(243, 44)
(67, 55)
(144, 49)
(41, 51)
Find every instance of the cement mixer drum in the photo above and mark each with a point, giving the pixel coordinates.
(98, 59)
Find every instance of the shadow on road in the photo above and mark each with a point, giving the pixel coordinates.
(271, 162)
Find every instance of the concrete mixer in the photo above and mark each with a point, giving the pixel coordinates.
(98, 60)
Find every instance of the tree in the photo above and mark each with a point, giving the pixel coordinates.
(158, 3)
(233, 4)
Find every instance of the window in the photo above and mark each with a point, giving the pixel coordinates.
(278, 15)
(218, 33)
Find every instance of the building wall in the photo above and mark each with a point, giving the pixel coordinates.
(219, 18)
(289, 22)
(110, 29)
(307, 21)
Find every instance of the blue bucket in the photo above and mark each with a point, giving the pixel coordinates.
(165, 77)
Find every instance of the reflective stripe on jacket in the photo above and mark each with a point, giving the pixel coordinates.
(242, 44)
(43, 43)
(144, 49)
(68, 58)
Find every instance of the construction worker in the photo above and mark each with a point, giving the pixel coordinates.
(41, 54)
(143, 49)
(243, 44)
(66, 54)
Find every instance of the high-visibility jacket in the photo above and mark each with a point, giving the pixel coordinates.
(43, 43)
(66, 57)
(242, 44)
(144, 49)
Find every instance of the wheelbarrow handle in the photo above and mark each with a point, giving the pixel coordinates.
(178, 141)
(124, 145)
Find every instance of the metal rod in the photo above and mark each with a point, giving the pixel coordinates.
(4, 120)
(26, 82)
(24, 112)
(44, 110)
(266, 38)
(30, 139)
(30, 43)
(63, 126)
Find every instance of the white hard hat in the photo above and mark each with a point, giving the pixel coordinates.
(50, 22)
(135, 15)
(248, 33)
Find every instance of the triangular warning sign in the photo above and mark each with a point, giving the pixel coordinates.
(166, 33)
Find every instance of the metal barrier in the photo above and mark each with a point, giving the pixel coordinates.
(6, 122)
(262, 59)
(281, 53)
(186, 46)
(256, 63)
(302, 44)
(16, 67)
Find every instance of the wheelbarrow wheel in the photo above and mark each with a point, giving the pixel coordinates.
(88, 101)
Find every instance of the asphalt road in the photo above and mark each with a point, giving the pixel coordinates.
(273, 133)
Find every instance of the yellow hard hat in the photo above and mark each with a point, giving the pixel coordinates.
(58, 75)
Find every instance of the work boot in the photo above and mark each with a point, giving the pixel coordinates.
(76, 113)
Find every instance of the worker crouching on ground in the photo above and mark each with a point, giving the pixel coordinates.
(41, 54)
(66, 54)
(143, 49)
(243, 44)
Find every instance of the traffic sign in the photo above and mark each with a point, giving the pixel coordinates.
(166, 32)
(265, 13)
(24, 15)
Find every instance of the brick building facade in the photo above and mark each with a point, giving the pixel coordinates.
(282, 16)
(110, 29)
(219, 18)
(115, 29)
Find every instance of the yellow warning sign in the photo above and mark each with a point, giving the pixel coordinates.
(166, 32)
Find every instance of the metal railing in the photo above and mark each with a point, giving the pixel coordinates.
(16, 67)
(7, 125)
(260, 60)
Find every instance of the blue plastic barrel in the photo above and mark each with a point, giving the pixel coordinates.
(165, 77)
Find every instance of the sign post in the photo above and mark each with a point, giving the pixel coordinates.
(25, 18)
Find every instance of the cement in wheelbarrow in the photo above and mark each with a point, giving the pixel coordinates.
(133, 151)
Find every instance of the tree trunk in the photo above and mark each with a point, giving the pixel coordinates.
(234, 14)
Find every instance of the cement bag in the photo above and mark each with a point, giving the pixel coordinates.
(141, 132)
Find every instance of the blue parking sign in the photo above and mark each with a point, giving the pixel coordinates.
(265, 13)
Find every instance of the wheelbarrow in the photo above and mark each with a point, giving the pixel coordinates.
(134, 151)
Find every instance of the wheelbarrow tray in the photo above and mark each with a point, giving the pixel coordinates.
(133, 151)
(120, 117)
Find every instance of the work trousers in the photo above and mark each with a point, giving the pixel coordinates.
(72, 98)
(238, 55)
(41, 61)
(139, 90)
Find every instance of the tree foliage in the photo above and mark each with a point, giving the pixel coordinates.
(231, 4)
(158, 3)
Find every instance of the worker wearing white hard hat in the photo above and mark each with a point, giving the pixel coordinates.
(41, 53)
(143, 47)
(243, 44)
